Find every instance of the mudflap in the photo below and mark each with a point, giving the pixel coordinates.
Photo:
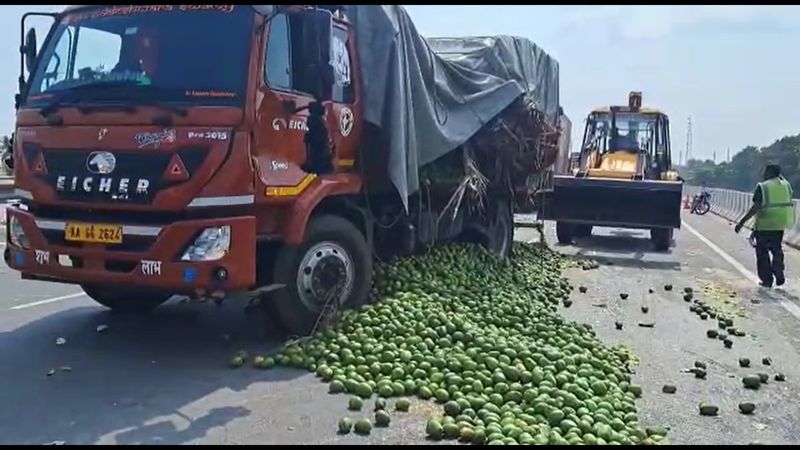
(613, 203)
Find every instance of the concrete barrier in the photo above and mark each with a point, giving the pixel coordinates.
(733, 205)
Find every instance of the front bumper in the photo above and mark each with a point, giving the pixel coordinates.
(149, 256)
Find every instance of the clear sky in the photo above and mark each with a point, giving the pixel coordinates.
(734, 69)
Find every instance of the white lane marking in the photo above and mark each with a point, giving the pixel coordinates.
(787, 305)
(736, 264)
(47, 301)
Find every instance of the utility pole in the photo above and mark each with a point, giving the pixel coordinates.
(729, 155)
(688, 152)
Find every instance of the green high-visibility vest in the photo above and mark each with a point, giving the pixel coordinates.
(777, 208)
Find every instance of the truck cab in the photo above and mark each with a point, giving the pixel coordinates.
(213, 150)
(164, 149)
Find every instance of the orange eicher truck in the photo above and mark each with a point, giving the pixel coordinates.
(209, 150)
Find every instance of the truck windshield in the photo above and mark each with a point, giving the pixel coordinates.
(168, 53)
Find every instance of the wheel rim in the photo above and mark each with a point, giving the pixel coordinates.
(325, 267)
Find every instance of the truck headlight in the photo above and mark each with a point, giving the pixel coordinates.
(212, 245)
(16, 235)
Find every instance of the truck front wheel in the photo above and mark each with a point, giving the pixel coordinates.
(126, 300)
(333, 268)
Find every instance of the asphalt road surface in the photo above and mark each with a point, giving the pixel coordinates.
(164, 379)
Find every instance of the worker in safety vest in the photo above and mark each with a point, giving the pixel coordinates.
(773, 209)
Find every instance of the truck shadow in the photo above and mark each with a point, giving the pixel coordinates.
(625, 248)
(165, 431)
(130, 382)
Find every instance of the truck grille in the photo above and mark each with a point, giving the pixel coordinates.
(126, 176)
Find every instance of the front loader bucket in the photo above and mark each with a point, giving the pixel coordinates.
(614, 203)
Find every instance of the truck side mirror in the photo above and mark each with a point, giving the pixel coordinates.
(29, 49)
(317, 25)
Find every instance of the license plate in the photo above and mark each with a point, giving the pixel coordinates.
(93, 233)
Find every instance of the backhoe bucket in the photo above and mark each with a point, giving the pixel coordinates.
(614, 203)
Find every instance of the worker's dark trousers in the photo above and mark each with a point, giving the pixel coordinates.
(768, 243)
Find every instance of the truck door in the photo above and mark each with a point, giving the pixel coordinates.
(285, 83)
(342, 114)
(281, 130)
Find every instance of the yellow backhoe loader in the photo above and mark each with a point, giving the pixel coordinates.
(624, 177)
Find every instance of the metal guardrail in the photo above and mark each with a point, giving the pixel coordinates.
(733, 205)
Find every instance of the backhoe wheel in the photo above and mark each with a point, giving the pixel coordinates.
(334, 258)
(583, 231)
(125, 300)
(662, 239)
(501, 238)
(564, 232)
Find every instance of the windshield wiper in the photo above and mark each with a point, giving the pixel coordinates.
(57, 105)
(75, 102)
(72, 95)
(72, 98)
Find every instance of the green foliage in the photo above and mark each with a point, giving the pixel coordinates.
(746, 167)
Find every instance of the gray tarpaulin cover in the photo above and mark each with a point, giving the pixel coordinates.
(431, 96)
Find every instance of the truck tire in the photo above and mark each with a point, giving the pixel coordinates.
(129, 301)
(582, 231)
(662, 239)
(564, 233)
(501, 240)
(334, 251)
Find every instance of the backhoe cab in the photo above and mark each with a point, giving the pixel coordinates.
(627, 142)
